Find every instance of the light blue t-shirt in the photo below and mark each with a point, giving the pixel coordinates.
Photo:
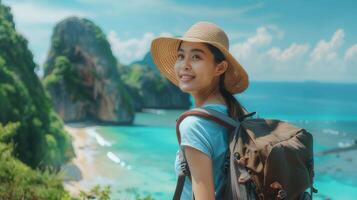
(211, 139)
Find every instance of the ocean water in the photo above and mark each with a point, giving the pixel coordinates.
(140, 158)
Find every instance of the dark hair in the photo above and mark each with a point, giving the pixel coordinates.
(235, 109)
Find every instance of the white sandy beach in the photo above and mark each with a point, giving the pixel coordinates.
(80, 171)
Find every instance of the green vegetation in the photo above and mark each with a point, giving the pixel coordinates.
(141, 77)
(40, 140)
(33, 143)
(103, 194)
(96, 193)
(131, 75)
(18, 181)
(65, 74)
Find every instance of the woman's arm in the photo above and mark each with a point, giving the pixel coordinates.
(201, 172)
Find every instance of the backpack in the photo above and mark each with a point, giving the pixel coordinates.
(272, 158)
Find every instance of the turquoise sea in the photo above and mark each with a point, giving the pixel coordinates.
(140, 158)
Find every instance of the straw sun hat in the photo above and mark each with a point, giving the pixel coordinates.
(164, 52)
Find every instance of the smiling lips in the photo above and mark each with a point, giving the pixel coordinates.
(186, 77)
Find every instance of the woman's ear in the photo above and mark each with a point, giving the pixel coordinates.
(221, 68)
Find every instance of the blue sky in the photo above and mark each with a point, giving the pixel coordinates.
(274, 40)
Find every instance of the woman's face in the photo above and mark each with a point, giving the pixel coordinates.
(195, 68)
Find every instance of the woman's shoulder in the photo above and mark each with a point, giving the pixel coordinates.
(202, 124)
(201, 133)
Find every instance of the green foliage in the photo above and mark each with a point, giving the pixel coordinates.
(5, 14)
(160, 83)
(18, 181)
(23, 100)
(141, 77)
(63, 70)
(96, 193)
(99, 193)
(133, 75)
(64, 73)
(7, 134)
(126, 98)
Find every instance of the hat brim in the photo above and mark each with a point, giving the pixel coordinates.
(164, 53)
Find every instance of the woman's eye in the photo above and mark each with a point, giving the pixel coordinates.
(196, 57)
(180, 57)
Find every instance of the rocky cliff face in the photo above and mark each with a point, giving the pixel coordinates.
(161, 93)
(150, 89)
(148, 62)
(81, 75)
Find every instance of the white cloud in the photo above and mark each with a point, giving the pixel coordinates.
(276, 31)
(325, 62)
(351, 53)
(295, 51)
(245, 49)
(326, 51)
(132, 49)
(297, 62)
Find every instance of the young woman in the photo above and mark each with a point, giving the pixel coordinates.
(200, 64)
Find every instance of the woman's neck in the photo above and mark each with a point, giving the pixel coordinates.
(212, 96)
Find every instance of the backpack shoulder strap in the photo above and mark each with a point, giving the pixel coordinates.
(207, 113)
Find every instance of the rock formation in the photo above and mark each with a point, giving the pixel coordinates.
(81, 75)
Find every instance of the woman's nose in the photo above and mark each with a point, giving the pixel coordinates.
(186, 64)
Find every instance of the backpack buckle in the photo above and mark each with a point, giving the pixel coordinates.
(281, 194)
(184, 168)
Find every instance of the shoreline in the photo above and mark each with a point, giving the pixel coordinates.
(331, 169)
(80, 171)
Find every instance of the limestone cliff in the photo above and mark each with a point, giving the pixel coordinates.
(81, 75)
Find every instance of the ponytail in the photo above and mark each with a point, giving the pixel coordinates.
(235, 109)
